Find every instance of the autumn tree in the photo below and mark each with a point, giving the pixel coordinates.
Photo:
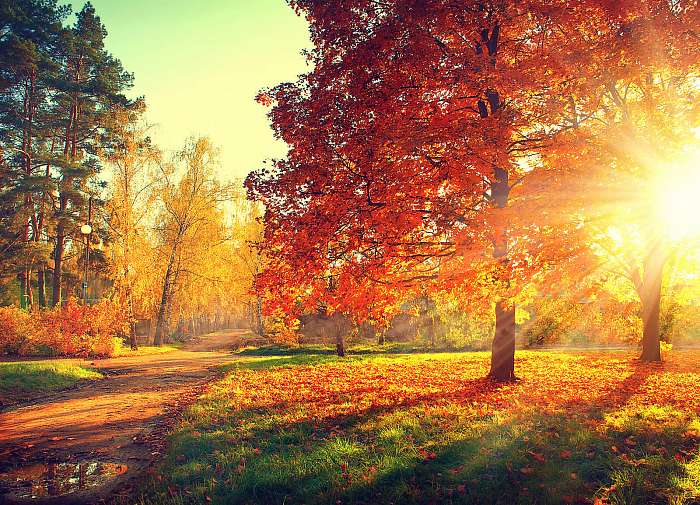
(91, 89)
(188, 226)
(30, 44)
(133, 160)
(636, 115)
(247, 262)
(408, 140)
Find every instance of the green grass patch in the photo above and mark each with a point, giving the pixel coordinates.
(146, 350)
(450, 451)
(20, 381)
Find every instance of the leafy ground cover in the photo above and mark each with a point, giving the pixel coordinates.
(20, 381)
(294, 427)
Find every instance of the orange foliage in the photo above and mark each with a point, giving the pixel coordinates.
(550, 383)
(73, 330)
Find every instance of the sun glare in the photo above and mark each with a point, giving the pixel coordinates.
(679, 201)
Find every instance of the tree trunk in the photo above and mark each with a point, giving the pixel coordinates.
(503, 347)
(431, 330)
(69, 152)
(650, 295)
(29, 293)
(58, 265)
(132, 335)
(163, 307)
(41, 287)
(339, 342)
(259, 323)
(132, 323)
(382, 337)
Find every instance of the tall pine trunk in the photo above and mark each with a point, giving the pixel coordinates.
(69, 154)
(41, 286)
(58, 264)
(27, 149)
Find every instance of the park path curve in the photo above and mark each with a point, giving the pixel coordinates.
(114, 420)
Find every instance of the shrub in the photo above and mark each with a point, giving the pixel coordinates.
(72, 330)
(17, 329)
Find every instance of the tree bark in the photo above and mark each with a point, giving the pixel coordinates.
(163, 307)
(259, 322)
(41, 287)
(339, 342)
(132, 323)
(431, 330)
(58, 265)
(650, 295)
(29, 292)
(62, 207)
(503, 346)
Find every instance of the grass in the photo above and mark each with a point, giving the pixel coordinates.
(20, 381)
(146, 350)
(297, 427)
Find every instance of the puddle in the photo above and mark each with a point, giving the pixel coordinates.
(56, 479)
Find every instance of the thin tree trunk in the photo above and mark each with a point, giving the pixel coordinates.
(62, 206)
(163, 307)
(132, 323)
(58, 265)
(259, 323)
(27, 146)
(29, 292)
(431, 330)
(41, 286)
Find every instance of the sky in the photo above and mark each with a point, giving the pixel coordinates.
(200, 65)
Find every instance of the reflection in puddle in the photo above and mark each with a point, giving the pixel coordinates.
(54, 479)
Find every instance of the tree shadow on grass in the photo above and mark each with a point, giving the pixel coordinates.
(549, 459)
(404, 453)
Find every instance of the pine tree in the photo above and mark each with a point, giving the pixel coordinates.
(89, 93)
(28, 49)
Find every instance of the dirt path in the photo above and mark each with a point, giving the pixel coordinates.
(94, 438)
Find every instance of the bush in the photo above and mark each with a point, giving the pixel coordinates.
(72, 330)
(17, 329)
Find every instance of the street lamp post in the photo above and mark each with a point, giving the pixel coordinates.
(86, 230)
